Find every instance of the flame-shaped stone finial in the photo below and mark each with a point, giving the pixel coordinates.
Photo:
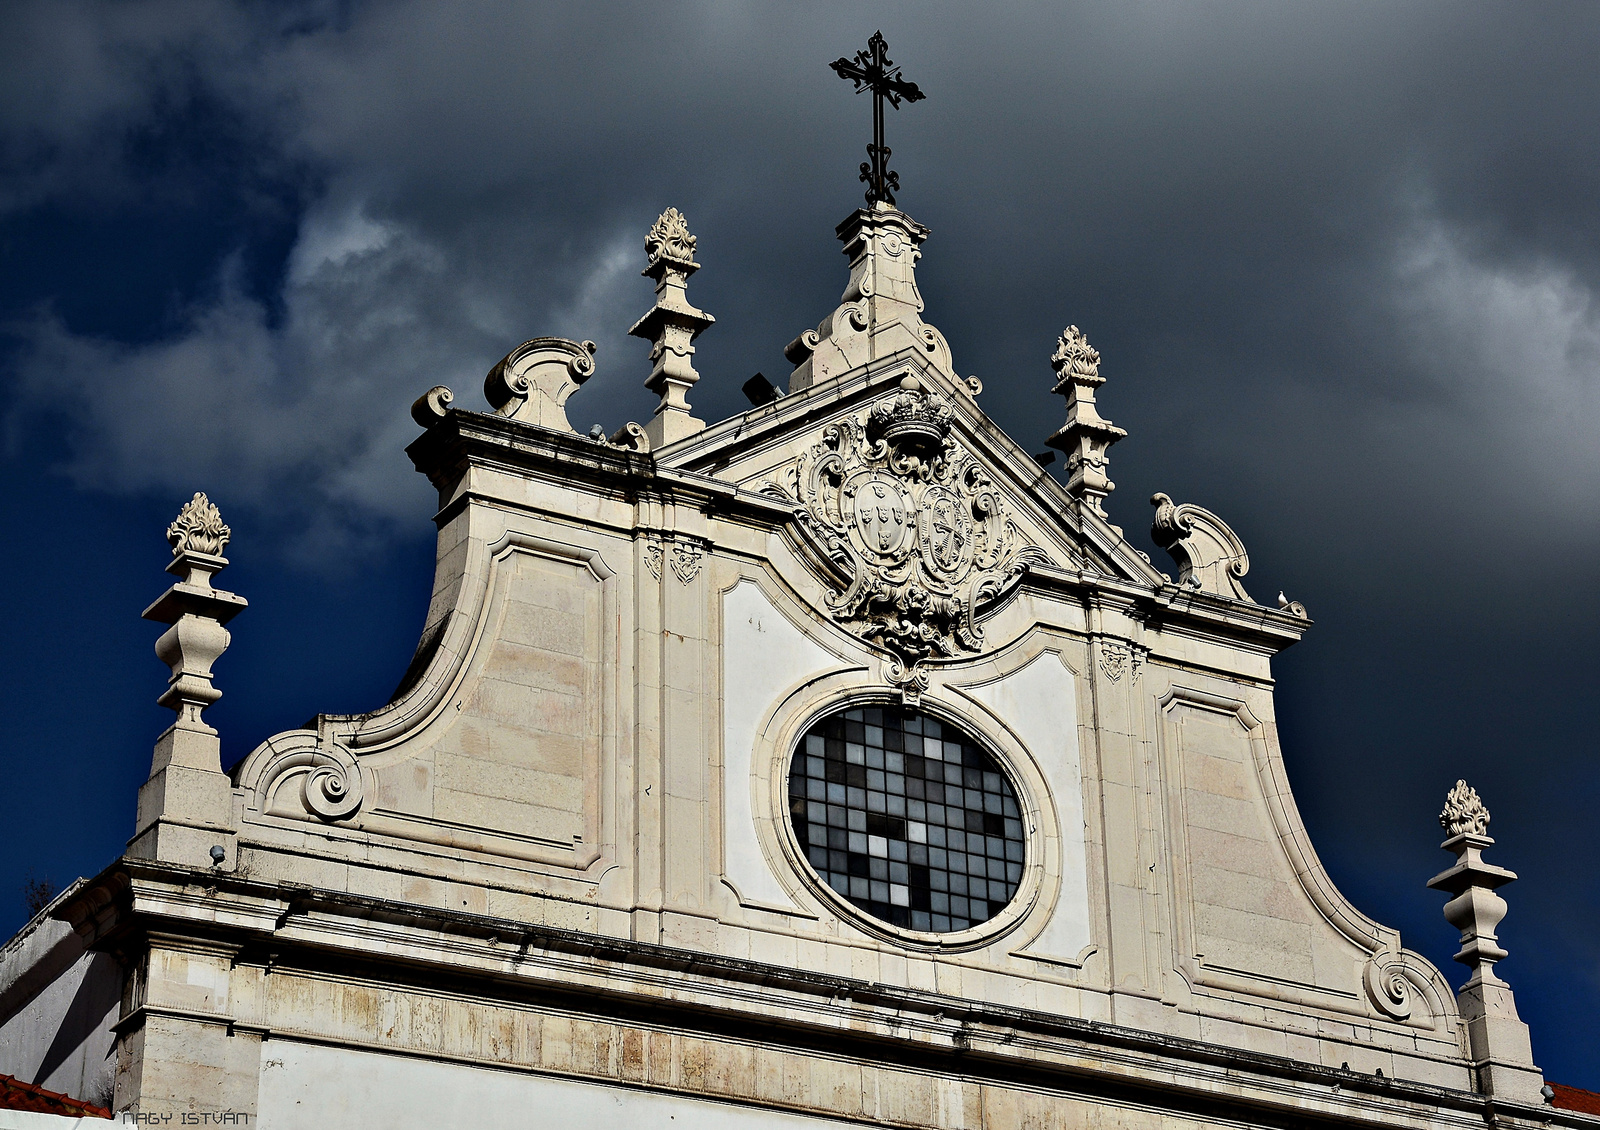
(199, 528)
(1464, 812)
(1086, 436)
(671, 327)
(670, 239)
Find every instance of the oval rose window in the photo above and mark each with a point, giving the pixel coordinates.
(907, 817)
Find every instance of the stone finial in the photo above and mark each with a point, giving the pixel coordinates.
(880, 312)
(196, 610)
(670, 239)
(1496, 1034)
(186, 806)
(671, 327)
(1085, 437)
(198, 528)
(1464, 812)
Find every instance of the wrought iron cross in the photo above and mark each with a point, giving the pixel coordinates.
(873, 71)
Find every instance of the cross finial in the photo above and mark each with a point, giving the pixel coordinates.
(872, 70)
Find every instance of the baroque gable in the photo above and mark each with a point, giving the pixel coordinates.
(843, 711)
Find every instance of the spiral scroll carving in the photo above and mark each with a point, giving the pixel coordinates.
(333, 791)
(1388, 987)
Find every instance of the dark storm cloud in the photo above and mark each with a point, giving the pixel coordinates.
(1341, 261)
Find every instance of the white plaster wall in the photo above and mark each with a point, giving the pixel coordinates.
(59, 1004)
(28, 1120)
(313, 1086)
(763, 654)
(1039, 703)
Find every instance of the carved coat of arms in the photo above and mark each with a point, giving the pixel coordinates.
(916, 526)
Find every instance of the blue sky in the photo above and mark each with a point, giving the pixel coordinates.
(1341, 261)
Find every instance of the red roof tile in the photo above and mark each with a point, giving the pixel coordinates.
(1571, 1098)
(17, 1095)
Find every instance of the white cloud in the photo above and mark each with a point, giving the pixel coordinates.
(1512, 351)
(316, 402)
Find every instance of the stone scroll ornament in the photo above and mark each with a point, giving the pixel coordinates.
(917, 527)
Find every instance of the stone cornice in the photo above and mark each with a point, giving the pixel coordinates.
(286, 927)
(464, 439)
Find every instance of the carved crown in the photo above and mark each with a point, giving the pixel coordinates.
(913, 418)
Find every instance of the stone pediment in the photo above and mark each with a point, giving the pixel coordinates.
(918, 516)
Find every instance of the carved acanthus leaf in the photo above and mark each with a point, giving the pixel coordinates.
(915, 524)
(1464, 812)
(199, 528)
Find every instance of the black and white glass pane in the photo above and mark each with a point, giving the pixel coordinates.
(907, 817)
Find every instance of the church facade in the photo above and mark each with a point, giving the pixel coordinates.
(830, 764)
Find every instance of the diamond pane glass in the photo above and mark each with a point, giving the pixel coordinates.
(907, 817)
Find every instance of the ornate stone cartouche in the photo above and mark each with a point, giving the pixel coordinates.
(915, 523)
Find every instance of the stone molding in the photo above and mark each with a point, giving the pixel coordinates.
(393, 723)
(494, 960)
(1387, 978)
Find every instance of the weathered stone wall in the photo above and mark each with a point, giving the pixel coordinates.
(58, 1004)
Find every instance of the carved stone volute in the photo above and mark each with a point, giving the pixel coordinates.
(1210, 556)
(533, 381)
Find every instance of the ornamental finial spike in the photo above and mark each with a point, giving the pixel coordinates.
(1498, 1038)
(1085, 437)
(199, 528)
(671, 328)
